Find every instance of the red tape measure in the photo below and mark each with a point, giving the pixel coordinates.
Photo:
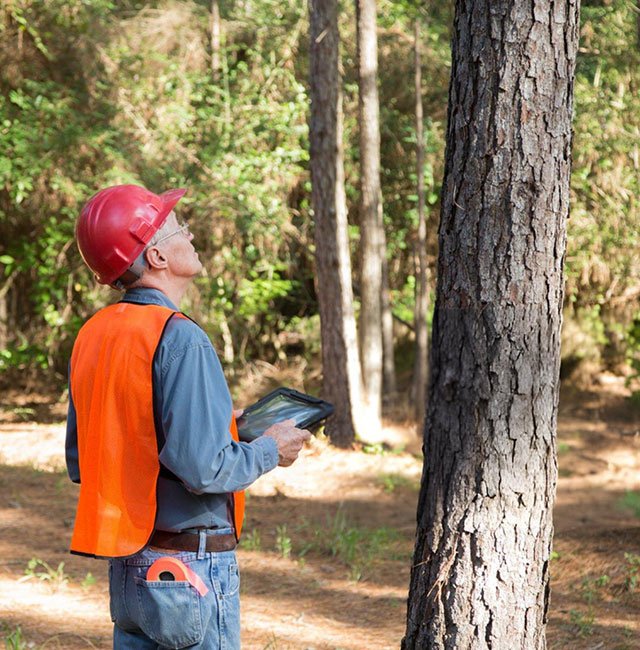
(170, 568)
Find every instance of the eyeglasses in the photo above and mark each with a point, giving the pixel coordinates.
(184, 229)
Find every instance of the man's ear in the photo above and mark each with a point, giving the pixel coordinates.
(156, 259)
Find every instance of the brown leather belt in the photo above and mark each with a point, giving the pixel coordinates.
(191, 541)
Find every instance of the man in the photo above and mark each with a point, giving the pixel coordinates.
(152, 437)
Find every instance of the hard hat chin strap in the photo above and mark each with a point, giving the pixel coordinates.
(132, 274)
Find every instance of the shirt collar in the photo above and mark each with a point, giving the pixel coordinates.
(148, 296)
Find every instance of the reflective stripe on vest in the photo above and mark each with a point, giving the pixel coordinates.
(112, 390)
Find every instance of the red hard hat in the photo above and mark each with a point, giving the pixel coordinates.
(117, 223)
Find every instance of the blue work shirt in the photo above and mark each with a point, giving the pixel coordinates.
(192, 411)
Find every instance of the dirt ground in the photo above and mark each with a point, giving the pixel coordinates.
(327, 546)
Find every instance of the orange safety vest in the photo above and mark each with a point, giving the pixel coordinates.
(112, 390)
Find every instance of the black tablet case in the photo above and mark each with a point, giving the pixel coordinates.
(282, 404)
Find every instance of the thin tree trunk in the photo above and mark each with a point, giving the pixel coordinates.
(227, 338)
(422, 280)
(389, 368)
(480, 576)
(340, 362)
(371, 232)
(215, 40)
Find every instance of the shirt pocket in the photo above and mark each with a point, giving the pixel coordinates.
(170, 612)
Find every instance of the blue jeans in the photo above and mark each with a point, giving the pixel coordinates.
(164, 614)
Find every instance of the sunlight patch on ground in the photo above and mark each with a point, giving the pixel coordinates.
(307, 630)
(35, 445)
(307, 477)
(66, 610)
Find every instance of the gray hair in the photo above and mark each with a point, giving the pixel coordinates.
(164, 230)
(135, 273)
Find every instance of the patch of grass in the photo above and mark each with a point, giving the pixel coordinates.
(283, 541)
(356, 547)
(591, 587)
(89, 580)
(375, 449)
(42, 571)
(631, 501)
(251, 541)
(583, 622)
(634, 398)
(563, 447)
(382, 449)
(23, 412)
(632, 578)
(389, 482)
(13, 638)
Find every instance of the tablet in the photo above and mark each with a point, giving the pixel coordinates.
(282, 404)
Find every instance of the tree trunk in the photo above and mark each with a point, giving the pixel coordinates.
(422, 280)
(389, 367)
(371, 232)
(215, 40)
(480, 576)
(340, 362)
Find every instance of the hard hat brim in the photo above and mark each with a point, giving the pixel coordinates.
(170, 198)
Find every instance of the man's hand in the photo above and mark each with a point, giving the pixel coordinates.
(289, 440)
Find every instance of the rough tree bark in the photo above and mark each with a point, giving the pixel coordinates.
(480, 576)
(422, 286)
(371, 230)
(340, 362)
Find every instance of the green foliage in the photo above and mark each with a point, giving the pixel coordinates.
(251, 540)
(42, 571)
(375, 449)
(631, 501)
(137, 102)
(633, 354)
(583, 622)
(632, 577)
(283, 541)
(14, 638)
(591, 587)
(391, 482)
(603, 238)
(356, 547)
(22, 356)
(88, 581)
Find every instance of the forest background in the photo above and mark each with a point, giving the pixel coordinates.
(99, 92)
